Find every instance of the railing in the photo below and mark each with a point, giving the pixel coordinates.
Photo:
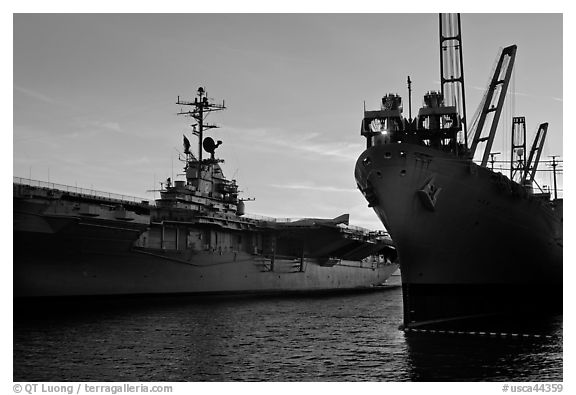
(270, 219)
(77, 190)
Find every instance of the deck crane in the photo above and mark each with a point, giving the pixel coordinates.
(493, 103)
(490, 108)
(453, 91)
(534, 158)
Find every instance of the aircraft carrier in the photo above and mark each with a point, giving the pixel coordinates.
(194, 239)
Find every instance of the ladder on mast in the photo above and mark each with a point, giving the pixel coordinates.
(518, 166)
(452, 67)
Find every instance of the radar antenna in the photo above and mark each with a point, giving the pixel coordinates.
(201, 107)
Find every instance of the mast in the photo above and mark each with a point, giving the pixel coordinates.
(452, 67)
(492, 160)
(409, 99)
(554, 164)
(518, 166)
(201, 107)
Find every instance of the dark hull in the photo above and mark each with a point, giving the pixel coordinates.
(474, 245)
(431, 303)
(63, 256)
(43, 272)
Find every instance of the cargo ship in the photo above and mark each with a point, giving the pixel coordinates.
(471, 241)
(194, 239)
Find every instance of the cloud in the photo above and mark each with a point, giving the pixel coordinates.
(83, 129)
(275, 140)
(34, 94)
(483, 89)
(143, 160)
(97, 126)
(112, 126)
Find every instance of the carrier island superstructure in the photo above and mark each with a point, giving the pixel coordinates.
(194, 239)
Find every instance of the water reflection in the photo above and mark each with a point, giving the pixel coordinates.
(322, 338)
(503, 349)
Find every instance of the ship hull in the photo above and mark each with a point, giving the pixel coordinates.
(469, 241)
(63, 256)
(68, 243)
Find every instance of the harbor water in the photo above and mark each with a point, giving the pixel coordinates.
(344, 337)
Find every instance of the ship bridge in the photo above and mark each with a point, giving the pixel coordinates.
(436, 124)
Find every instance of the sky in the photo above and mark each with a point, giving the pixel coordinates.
(94, 96)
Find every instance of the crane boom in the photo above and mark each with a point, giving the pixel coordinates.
(535, 151)
(494, 102)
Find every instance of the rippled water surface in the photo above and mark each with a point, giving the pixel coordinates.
(350, 337)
